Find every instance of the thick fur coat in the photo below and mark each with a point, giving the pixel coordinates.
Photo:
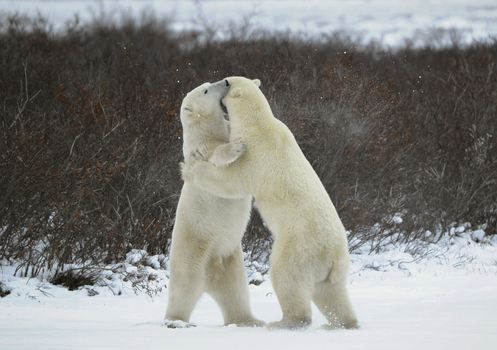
(206, 253)
(310, 257)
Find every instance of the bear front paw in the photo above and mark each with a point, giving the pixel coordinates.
(238, 148)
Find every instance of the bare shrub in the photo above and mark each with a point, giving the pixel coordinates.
(73, 279)
(3, 291)
(91, 139)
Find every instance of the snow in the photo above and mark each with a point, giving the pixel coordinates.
(388, 22)
(478, 235)
(397, 219)
(444, 298)
(428, 311)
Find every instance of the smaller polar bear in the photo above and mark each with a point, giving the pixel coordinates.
(206, 253)
(310, 256)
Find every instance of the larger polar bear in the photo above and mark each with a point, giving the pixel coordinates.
(310, 256)
(206, 252)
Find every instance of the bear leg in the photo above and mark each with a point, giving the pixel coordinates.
(294, 292)
(186, 283)
(184, 292)
(333, 301)
(228, 153)
(227, 284)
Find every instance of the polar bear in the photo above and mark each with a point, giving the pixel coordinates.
(206, 253)
(310, 257)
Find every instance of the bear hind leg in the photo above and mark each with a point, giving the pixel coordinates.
(227, 284)
(183, 296)
(186, 283)
(333, 301)
(294, 294)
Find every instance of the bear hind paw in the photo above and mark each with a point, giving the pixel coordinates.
(178, 324)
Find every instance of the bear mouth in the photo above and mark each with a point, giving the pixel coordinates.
(223, 107)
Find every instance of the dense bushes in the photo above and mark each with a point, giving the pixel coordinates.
(91, 140)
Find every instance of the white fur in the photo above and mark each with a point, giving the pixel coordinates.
(206, 253)
(310, 255)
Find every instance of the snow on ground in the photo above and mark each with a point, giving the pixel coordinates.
(386, 21)
(428, 311)
(446, 300)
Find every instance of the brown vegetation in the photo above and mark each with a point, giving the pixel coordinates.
(90, 137)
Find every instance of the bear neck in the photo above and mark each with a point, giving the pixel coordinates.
(254, 118)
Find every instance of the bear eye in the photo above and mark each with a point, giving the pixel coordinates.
(205, 91)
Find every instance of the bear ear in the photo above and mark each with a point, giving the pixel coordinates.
(257, 82)
(236, 92)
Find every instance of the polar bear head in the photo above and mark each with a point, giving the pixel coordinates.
(203, 104)
(203, 118)
(243, 97)
(241, 86)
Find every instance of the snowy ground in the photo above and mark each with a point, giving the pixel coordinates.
(447, 300)
(386, 21)
(428, 311)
